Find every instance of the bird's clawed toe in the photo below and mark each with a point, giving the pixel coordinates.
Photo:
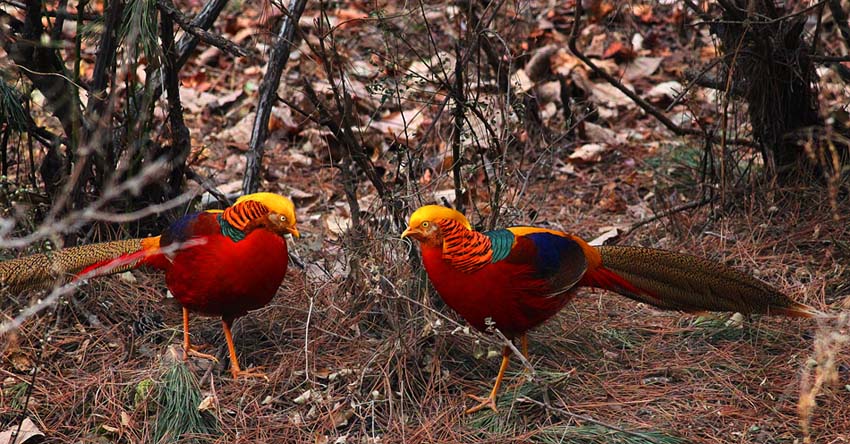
(255, 372)
(193, 351)
(483, 402)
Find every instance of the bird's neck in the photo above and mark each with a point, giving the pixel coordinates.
(462, 248)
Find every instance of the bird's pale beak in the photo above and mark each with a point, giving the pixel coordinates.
(294, 232)
(407, 232)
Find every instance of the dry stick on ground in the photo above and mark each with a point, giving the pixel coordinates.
(616, 83)
(268, 93)
(168, 8)
(669, 212)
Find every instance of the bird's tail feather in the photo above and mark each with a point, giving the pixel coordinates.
(676, 281)
(45, 270)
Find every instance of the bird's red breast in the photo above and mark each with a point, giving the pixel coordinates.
(224, 277)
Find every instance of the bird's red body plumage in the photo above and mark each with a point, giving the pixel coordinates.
(225, 278)
(506, 293)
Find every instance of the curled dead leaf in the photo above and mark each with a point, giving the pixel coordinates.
(23, 432)
(611, 233)
(588, 153)
(207, 403)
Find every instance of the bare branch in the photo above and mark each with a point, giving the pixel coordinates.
(168, 8)
(268, 93)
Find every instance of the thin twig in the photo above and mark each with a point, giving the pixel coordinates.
(573, 43)
(646, 106)
(510, 344)
(691, 83)
(586, 418)
(669, 212)
(187, 44)
(459, 117)
(307, 342)
(167, 7)
(208, 185)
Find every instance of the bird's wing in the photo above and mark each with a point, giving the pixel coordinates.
(530, 253)
(190, 226)
(554, 256)
(231, 222)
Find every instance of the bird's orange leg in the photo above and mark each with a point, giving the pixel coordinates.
(234, 362)
(187, 346)
(490, 401)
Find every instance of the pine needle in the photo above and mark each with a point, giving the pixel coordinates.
(178, 416)
(139, 29)
(594, 434)
(11, 110)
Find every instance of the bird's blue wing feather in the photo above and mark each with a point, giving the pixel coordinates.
(558, 259)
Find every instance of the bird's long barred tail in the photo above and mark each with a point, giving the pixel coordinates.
(41, 271)
(467, 250)
(241, 214)
(683, 282)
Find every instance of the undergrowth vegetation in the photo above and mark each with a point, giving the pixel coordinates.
(382, 108)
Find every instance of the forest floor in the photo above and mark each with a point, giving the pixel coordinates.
(356, 345)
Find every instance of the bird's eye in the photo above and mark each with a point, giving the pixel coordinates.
(425, 224)
(282, 218)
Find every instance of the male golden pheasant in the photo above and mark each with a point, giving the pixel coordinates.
(516, 278)
(217, 263)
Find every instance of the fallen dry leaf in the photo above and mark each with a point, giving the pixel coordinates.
(666, 90)
(588, 153)
(641, 67)
(207, 403)
(612, 201)
(337, 223)
(28, 430)
(608, 95)
(611, 233)
(195, 101)
(600, 134)
(398, 124)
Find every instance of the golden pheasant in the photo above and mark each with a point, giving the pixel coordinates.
(217, 263)
(516, 278)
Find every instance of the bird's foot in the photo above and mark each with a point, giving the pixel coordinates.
(251, 373)
(193, 351)
(483, 402)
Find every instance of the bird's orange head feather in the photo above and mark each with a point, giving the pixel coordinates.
(424, 224)
(281, 208)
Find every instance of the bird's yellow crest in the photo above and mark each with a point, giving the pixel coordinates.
(435, 213)
(274, 202)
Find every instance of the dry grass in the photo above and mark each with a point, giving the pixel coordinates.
(358, 348)
(382, 360)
